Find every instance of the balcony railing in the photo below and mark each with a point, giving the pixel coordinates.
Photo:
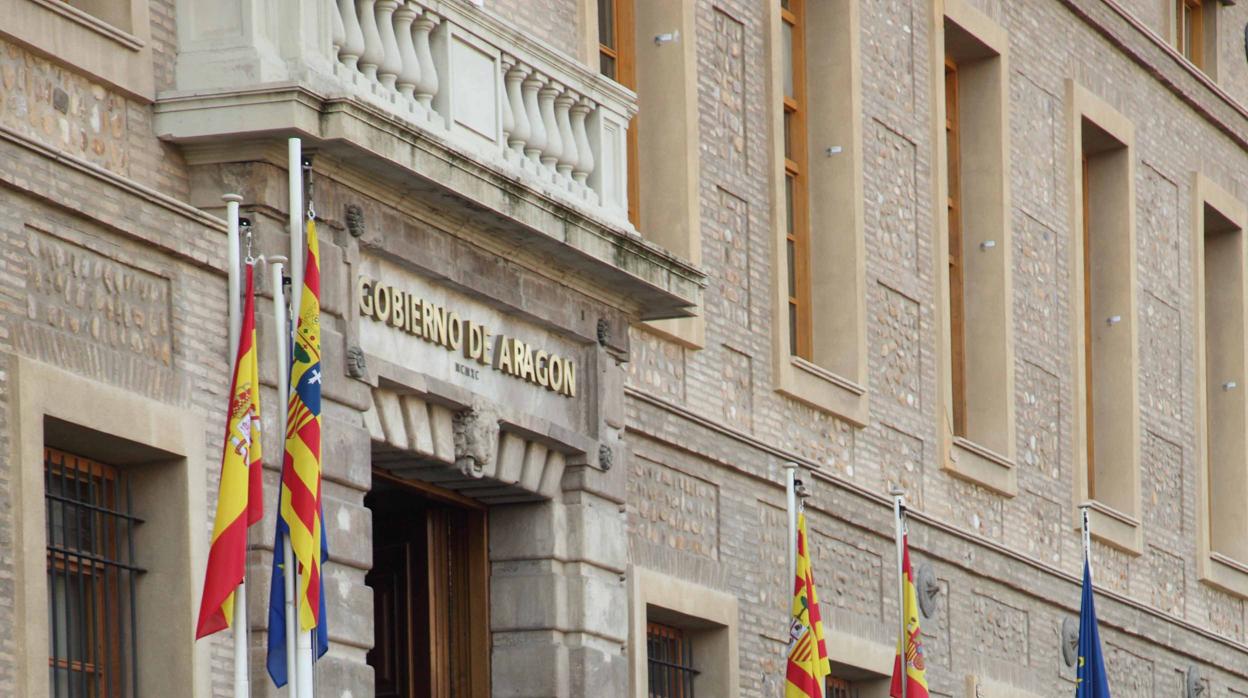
(486, 88)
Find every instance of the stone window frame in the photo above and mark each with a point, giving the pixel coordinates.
(1205, 59)
(835, 380)
(986, 453)
(166, 444)
(119, 56)
(1116, 526)
(1213, 567)
(708, 616)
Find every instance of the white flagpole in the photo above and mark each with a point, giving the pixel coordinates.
(279, 340)
(790, 491)
(899, 512)
(294, 165)
(242, 686)
(1087, 537)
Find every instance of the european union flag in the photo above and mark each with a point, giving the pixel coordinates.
(1091, 681)
(276, 661)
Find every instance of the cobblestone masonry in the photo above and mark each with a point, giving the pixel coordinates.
(704, 503)
(997, 609)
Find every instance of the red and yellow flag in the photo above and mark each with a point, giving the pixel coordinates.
(301, 465)
(808, 665)
(239, 502)
(916, 675)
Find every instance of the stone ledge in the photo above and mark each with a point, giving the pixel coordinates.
(645, 279)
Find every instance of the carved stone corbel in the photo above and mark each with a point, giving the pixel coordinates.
(476, 439)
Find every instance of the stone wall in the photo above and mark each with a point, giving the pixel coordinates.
(709, 433)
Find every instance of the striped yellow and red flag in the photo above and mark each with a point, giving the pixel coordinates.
(808, 665)
(239, 501)
(301, 465)
(916, 672)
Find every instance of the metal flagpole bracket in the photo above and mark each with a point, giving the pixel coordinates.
(307, 185)
(244, 227)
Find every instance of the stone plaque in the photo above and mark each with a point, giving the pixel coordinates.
(674, 509)
(88, 295)
(410, 321)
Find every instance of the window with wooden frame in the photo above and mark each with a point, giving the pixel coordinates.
(796, 205)
(840, 688)
(617, 59)
(1189, 27)
(957, 330)
(430, 581)
(972, 110)
(91, 577)
(669, 658)
(1105, 322)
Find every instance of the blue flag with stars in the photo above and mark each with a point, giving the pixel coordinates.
(1091, 681)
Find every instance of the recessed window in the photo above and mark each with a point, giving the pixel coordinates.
(669, 658)
(957, 313)
(797, 224)
(617, 59)
(92, 570)
(1189, 24)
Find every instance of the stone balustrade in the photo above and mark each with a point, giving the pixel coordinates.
(464, 76)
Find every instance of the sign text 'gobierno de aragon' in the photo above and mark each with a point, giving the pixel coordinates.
(438, 325)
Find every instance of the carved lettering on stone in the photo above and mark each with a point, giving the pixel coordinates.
(1002, 630)
(673, 509)
(84, 293)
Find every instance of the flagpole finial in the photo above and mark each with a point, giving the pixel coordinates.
(231, 197)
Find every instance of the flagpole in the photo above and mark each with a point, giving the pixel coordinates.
(899, 511)
(242, 687)
(790, 491)
(279, 339)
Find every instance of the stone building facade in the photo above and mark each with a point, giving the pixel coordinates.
(642, 492)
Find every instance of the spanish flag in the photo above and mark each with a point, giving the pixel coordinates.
(808, 665)
(916, 677)
(239, 502)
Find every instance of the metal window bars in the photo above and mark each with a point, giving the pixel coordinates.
(669, 656)
(91, 578)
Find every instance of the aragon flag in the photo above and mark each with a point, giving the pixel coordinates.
(808, 665)
(916, 675)
(239, 502)
(299, 510)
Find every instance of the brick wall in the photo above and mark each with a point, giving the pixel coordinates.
(996, 608)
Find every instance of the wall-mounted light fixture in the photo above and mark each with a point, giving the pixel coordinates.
(833, 150)
(1230, 385)
(669, 37)
(1113, 320)
(987, 245)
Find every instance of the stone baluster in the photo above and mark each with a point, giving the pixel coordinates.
(409, 74)
(554, 145)
(509, 119)
(520, 130)
(373, 53)
(353, 44)
(391, 63)
(584, 154)
(568, 157)
(537, 129)
(427, 86)
(337, 32)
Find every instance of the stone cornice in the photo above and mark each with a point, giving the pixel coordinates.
(1157, 57)
(70, 166)
(1118, 616)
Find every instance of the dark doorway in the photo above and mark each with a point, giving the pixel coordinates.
(430, 581)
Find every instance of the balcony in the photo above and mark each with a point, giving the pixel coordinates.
(439, 89)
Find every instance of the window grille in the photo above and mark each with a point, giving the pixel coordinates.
(670, 658)
(91, 578)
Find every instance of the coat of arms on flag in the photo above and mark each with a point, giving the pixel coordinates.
(808, 664)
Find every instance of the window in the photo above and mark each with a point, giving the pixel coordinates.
(669, 659)
(797, 225)
(957, 330)
(1188, 29)
(1107, 351)
(978, 412)
(818, 299)
(1221, 270)
(840, 688)
(617, 59)
(91, 578)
